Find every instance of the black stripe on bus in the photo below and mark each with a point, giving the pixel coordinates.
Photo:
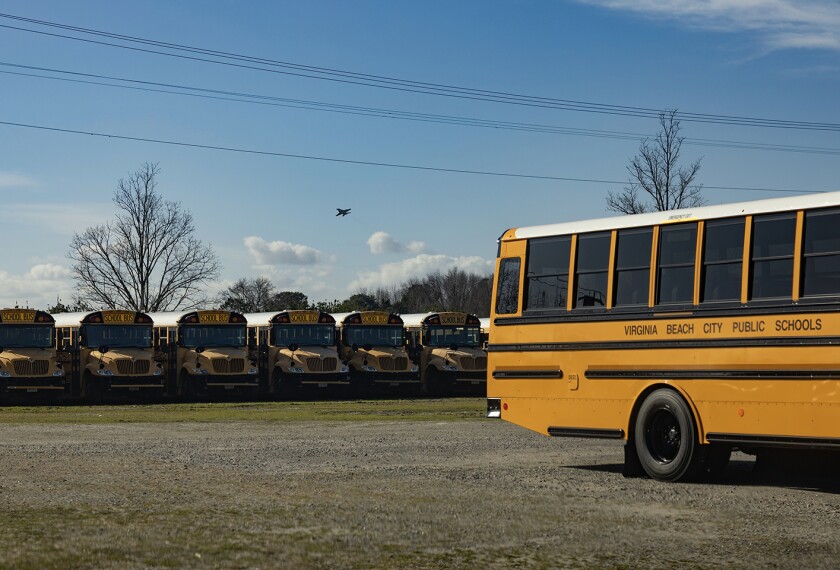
(586, 432)
(774, 441)
(658, 313)
(657, 344)
(527, 374)
(688, 374)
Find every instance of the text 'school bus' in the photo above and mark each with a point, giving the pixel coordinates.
(111, 352)
(447, 347)
(373, 345)
(297, 348)
(205, 350)
(27, 355)
(685, 333)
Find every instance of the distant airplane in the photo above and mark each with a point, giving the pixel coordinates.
(343, 212)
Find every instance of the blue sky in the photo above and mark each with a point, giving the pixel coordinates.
(274, 216)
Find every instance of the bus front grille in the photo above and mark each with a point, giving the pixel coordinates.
(318, 365)
(225, 366)
(479, 363)
(31, 368)
(391, 364)
(126, 366)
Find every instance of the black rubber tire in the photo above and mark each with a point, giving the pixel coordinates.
(665, 437)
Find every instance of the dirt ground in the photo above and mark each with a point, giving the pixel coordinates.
(384, 494)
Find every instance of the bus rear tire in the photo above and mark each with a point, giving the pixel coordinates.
(665, 437)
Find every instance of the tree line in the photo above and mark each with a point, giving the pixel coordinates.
(454, 290)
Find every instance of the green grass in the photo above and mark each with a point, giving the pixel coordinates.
(454, 409)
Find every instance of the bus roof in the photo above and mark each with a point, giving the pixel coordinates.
(389, 317)
(262, 319)
(205, 317)
(822, 200)
(76, 319)
(415, 320)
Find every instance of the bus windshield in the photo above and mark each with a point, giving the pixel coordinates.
(207, 335)
(446, 336)
(26, 336)
(391, 335)
(123, 336)
(303, 335)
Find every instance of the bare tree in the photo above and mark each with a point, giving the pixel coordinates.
(657, 183)
(146, 260)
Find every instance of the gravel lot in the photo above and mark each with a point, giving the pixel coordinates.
(384, 494)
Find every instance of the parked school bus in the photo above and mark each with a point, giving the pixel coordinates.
(373, 345)
(447, 348)
(684, 333)
(206, 351)
(297, 349)
(28, 361)
(111, 352)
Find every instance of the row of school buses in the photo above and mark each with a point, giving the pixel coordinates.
(195, 355)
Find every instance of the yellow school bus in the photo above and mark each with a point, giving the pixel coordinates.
(373, 345)
(28, 361)
(683, 333)
(111, 352)
(297, 349)
(447, 347)
(205, 351)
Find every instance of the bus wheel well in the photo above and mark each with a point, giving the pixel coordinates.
(634, 413)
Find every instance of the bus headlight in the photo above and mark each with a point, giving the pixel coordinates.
(58, 372)
(200, 371)
(344, 369)
(4, 374)
(295, 369)
(105, 372)
(158, 372)
(450, 368)
(414, 368)
(368, 368)
(253, 371)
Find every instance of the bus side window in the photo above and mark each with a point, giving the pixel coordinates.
(772, 256)
(592, 269)
(547, 273)
(677, 250)
(821, 253)
(507, 288)
(723, 252)
(632, 267)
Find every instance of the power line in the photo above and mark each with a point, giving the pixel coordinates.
(370, 163)
(239, 97)
(385, 82)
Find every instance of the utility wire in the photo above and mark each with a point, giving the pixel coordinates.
(238, 97)
(370, 163)
(343, 76)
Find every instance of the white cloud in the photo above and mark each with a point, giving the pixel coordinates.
(418, 266)
(281, 252)
(15, 180)
(781, 24)
(39, 287)
(382, 242)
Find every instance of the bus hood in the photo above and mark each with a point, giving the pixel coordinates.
(308, 352)
(114, 354)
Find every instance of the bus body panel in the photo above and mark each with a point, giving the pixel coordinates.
(106, 365)
(461, 367)
(754, 373)
(309, 364)
(197, 362)
(28, 359)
